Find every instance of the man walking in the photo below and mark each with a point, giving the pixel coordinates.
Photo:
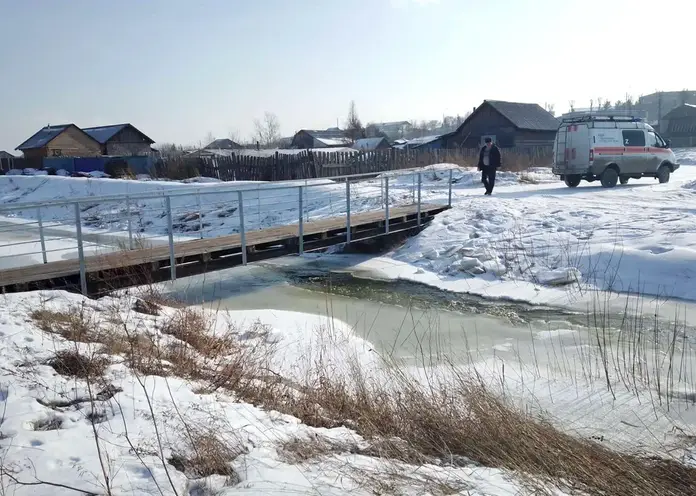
(489, 161)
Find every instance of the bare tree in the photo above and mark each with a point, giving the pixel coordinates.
(267, 131)
(354, 127)
(550, 108)
(607, 104)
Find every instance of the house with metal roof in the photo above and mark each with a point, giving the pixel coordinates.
(121, 140)
(328, 138)
(679, 126)
(371, 144)
(63, 140)
(509, 124)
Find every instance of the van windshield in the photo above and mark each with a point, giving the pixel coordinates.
(655, 140)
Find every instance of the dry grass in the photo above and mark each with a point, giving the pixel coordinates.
(75, 364)
(463, 422)
(72, 324)
(298, 450)
(205, 454)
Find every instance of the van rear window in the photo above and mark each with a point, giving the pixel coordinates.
(633, 137)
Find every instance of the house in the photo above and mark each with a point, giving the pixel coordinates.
(64, 140)
(433, 142)
(509, 124)
(6, 155)
(371, 144)
(657, 105)
(223, 144)
(679, 126)
(120, 140)
(328, 138)
(396, 129)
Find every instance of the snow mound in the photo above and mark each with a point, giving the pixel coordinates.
(558, 277)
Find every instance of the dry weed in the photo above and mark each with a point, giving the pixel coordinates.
(205, 454)
(75, 364)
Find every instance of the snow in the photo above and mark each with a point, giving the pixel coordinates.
(529, 237)
(534, 239)
(143, 420)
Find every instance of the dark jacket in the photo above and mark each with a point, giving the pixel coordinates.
(494, 158)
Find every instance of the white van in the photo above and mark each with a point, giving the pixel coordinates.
(610, 148)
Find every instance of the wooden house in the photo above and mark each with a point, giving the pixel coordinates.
(509, 124)
(64, 140)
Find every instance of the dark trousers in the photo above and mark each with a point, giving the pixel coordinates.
(488, 178)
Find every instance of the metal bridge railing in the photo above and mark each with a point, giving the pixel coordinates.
(43, 232)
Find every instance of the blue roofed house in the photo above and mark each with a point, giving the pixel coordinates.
(63, 140)
(121, 140)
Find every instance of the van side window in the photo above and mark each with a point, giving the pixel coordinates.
(654, 140)
(633, 137)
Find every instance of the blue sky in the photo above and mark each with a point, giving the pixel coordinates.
(179, 69)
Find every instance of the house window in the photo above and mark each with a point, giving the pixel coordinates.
(634, 137)
(57, 152)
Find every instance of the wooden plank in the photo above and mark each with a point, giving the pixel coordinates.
(199, 247)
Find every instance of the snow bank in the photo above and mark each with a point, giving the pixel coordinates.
(638, 237)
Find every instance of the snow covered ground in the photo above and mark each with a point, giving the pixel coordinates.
(546, 243)
(52, 439)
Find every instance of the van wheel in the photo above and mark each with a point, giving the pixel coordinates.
(572, 180)
(609, 178)
(624, 179)
(663, 174)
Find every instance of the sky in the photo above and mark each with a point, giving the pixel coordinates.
(179, 70)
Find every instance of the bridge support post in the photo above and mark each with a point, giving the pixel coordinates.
(80, 250)
(348, 233)
(130, 223)
(300, 225)
(41, 235)
(418, 205)
(242, 232)
(170, 228)
(386, 205)
(449, 193)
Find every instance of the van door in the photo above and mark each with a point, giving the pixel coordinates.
(655, 147)
(634, 157)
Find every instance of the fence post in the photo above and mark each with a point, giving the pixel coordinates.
(41, 235)
(419, 200)
(80, 250)
(301, 222)
(449, 193)
(348, 210)
(170, 229)
(130, 223)
(386, 205)
(242, 231)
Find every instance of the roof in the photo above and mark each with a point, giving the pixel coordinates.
(104, 133)
(222, 144)
(338, 141)
(527, 116)
(44, 136)
(4, 154)
(332, 132)
(393, 123)
(368, 143)
(688, 107)
(422, 141)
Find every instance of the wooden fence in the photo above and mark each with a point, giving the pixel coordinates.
(317, 164)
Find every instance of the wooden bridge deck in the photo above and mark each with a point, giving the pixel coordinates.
(271, 242)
